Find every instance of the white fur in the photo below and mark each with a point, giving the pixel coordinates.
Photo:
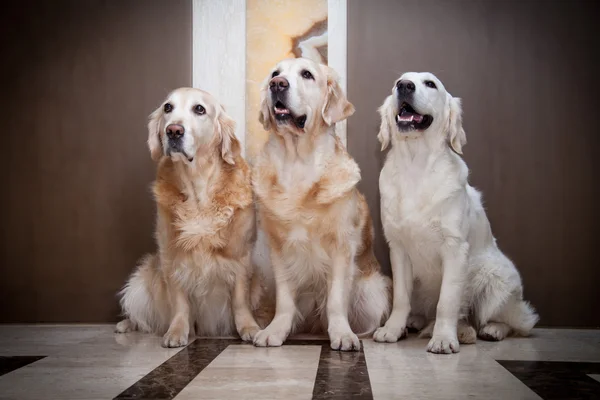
(445, 260)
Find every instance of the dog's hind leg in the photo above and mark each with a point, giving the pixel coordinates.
(499, 307)
(516, 316)
(416, 322)
(125, 326)
(427, 332)
(143, 300)
(465, 332)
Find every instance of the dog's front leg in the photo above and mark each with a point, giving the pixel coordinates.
(454, 257)
(244, 320)
(179, 330)
(340, 285)
(395, 327)
(285, 310)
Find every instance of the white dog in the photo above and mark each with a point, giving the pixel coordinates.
(447, 268)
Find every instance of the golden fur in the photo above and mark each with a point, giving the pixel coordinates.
(316, 223)
(201, 278)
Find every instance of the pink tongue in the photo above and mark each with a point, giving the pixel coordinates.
(406, 116)
(281, 110)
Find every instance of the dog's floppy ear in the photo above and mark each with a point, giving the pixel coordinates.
(337, 107)
(456, 134)
(154, 143)
(264, 116)
(230, 146)
(385, 128)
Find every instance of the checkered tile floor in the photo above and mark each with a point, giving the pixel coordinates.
(91, 362)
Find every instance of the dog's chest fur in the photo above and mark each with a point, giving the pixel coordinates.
(203, 230)
(416, 190)
(308, 207)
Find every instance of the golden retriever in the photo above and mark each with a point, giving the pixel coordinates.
(316, 223)
(437, 229)
(201, 278)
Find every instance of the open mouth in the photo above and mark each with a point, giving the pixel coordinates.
(409, 119)
(284, 115)
(281, 111)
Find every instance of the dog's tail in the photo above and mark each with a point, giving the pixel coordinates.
(370, 303)
(144, 298)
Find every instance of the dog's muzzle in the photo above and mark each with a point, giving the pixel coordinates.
(279, 87)
(175, 134)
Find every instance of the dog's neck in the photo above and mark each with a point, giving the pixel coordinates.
(418, 145)
(196, 176)
(428, 155)
(298, 162)
(318, 167)
(302, 148)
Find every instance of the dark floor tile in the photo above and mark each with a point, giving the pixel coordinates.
(557, 379)
(168, 379)
(342, 375)
(9, 364)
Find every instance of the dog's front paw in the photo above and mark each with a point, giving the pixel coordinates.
(389, 334)
(269, 338)
(175, 338)
(344, 341)
(248, 333)
(443, 344)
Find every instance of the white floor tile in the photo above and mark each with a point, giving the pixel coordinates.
(246, 372)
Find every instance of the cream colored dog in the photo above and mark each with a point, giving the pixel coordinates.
(201, 276)
(315, 221)
(437, 229)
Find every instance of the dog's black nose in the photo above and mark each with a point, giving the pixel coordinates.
(405, 87)
(175, 131)
(279, 84)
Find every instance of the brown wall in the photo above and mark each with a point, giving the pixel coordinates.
(79, 79)
(527, 72)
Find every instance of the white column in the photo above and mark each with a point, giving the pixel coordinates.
(219, 55)
(337, 26)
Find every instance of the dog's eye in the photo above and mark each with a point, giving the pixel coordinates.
(168, 107)
(274, 74)
(430, 84)
(307, 75)
(198, 109)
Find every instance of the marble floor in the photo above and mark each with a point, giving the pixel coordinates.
(91, 362)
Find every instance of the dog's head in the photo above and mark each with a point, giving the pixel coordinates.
(420, 104)
(190, 123)
(300, 95)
